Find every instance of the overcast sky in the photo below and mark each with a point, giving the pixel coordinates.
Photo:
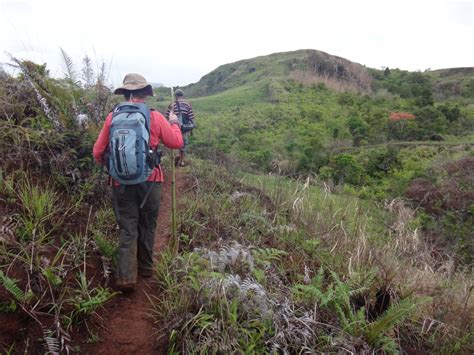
(177, 42)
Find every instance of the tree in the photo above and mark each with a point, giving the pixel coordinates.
(358, 129)
(451, 113)
(347, 170)
(430, 121)
(425, 98)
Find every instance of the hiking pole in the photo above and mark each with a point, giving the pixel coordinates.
(174, 235)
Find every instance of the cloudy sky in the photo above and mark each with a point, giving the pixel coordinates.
(177, 42)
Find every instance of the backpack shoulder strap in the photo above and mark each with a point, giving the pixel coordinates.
(178, 105)
(132, 107)
(145, 110)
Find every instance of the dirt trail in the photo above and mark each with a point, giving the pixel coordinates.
(128, 323)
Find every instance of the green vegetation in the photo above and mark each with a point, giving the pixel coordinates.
(370, 215)
(347, 140)
(329, 209)
(53, 273)
(272, 264)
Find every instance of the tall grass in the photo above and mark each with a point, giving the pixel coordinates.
(276, 265)
(355, 236)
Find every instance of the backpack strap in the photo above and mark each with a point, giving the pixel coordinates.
(178, 105)
(131, 107)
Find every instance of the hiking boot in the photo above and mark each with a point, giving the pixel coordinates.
(145, 273)
(125, 286)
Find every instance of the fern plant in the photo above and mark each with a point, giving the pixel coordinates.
(87, 300)
(337, 296)
(53, 345)
(376, 332)
(12, 287)
(267, 256)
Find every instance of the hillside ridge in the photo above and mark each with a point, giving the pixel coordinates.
(305, 66)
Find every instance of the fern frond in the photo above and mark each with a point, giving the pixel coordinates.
(267, 256)
(12, 287)
(88, 306)
(53, 344)
(249, 284)
(71, 74)
(50, 275)
(394, 315)
(231, 256)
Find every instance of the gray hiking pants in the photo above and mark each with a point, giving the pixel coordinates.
(137, 228)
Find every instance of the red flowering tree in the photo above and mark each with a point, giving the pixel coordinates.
(398, 116)
(398, 122)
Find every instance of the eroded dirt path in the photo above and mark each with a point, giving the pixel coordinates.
(127, 320)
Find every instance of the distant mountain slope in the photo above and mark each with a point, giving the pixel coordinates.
(441, 85)
(264, 79)
(453, 82)
(304, 66)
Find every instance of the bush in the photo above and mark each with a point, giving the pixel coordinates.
(449, 196)
(347, 170)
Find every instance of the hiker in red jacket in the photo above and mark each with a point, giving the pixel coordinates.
(136, 205)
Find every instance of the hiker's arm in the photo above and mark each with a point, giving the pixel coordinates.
(191, 113)
(167, 115)
(169, 134)
(102, 142)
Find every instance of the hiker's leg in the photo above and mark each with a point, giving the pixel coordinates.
(147, 224)
(183, 149)
(126, 207)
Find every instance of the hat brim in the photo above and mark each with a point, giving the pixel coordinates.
(130, 88)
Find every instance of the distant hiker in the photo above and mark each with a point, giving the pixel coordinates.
(127, 145)
(184, 111)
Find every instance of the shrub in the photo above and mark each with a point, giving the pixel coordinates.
(449, 196)
(347, 170)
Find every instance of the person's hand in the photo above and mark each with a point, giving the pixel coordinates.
(173, 119)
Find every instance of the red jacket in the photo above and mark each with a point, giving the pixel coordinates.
(160, 131)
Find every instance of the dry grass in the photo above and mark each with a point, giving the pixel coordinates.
(406, 263)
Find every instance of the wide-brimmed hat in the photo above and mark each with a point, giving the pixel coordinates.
(133, 82)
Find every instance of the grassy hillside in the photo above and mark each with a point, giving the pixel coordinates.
(349, 140)
(273, 264)
(314, 220)
(454, 82)
(305, 66)
(270, 122)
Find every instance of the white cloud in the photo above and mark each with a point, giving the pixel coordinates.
(178, 42)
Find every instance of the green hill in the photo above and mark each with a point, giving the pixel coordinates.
(303, 66)
(453, 82)
(267, 78)
(299, 109)
(295, 114)
(443, 84)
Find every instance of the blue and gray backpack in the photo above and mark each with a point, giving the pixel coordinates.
(129, 138)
